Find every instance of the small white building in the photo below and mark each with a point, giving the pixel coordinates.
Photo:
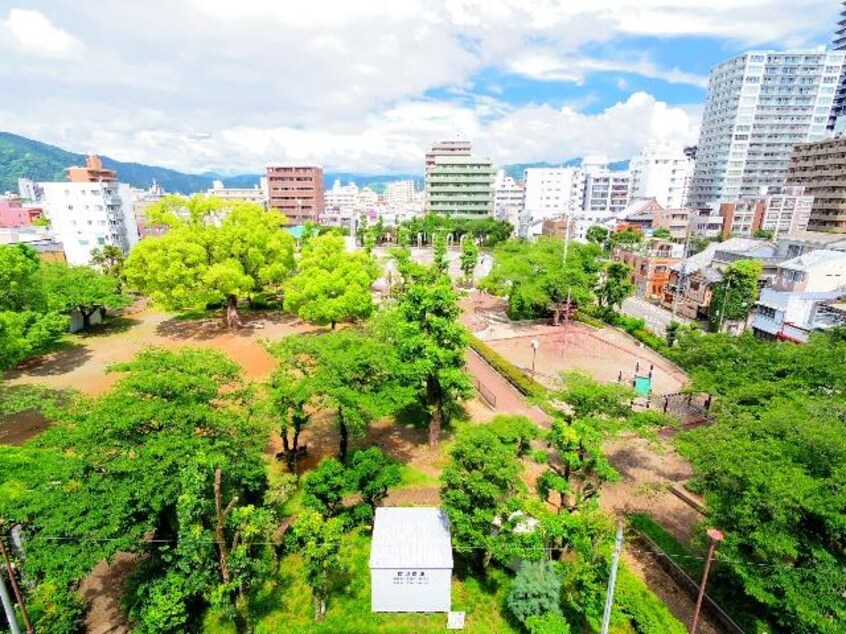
(411, 560)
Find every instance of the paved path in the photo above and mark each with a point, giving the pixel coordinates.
(657, 318)
(507, 399)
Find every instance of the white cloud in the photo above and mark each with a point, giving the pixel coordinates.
(33, 30)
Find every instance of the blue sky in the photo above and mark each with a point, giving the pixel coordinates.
(364, 86)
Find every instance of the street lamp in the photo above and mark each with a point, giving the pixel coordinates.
(535, 346)
(715, 537)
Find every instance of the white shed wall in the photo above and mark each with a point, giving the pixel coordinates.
(400, 590)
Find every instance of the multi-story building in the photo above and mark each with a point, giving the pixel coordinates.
(399, 194)
(607, 193)
(87, 215)
(786, 316)
(820, 168)
(551, 192)
(237, 194)
(508, 200)
(461, 186)
(93, 172)
(676, 221)
(759, 106)
(341, 198)
(839, 109)
(742, 218)
(41, 239)
(815, 272)
(455, 147)
(296, 191)
(662, 172)
(13, 214)
(651, 264)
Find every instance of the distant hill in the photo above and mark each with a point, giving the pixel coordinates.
(24, 158)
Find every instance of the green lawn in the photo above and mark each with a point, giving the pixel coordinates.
(287, 606)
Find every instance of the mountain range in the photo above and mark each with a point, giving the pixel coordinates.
(21, 157)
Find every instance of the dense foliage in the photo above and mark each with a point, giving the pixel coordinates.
(734, 296)
(80, 288)
(211, 254)
(535, 592)
(773, 468)
(28, 322)
(489, 230)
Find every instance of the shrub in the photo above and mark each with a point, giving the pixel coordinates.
(647, 613)
(549, 623)
(54, 609)
(536, 591)
(325, 487)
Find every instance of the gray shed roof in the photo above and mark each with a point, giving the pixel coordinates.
(411, 538)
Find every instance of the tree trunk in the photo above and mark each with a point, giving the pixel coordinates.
(231, 318)
(86, 318)
(435, 398)
(319, 607)
(345, 435)
(333, 325)
(286, 447)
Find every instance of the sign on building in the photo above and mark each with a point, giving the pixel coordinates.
(411, 560)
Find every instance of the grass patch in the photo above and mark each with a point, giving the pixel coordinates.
(519, 379)
(415, 478)
(286, 606)
(689, 561)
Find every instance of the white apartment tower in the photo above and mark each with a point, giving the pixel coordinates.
(663, 172)
(759, 106)
(86, 216)
(551, 192)
(508, 199)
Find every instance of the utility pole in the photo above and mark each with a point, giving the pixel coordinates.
(715, 538)
(8, 607)
(609, 597)
(15, 588)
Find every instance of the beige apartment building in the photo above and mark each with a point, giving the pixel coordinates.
(820, 167)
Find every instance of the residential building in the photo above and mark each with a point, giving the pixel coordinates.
(553, 191)
(662, 172)
(39, 238)
(607, 193)
(760, 104)
(820, 168)
(815, 272)
(789, 316)
(367, 199)
(742, 217)
(453, 148)
(837, 121)
(792, 245)
(706, 222)
(296, 191)
(461, 186)
(788, 211)
(237, 194)
(676, 221)
(13, 214)
(639, 214)
(651, 264)
(399, 194)
(93, 172)
(341, 198)
(508, 200)
(557, 228)
(87, 215)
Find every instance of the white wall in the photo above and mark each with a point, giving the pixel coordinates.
(400, 590)
(553, 192)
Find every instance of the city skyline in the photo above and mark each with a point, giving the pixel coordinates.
(368, 87)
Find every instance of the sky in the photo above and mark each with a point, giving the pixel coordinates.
(365, 85)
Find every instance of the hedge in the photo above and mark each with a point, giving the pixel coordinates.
(514, 375)
(646, 612)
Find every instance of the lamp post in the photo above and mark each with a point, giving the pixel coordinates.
(535, 346)
(715, 537)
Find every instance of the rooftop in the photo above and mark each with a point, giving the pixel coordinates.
(820, 258)
(411, 538)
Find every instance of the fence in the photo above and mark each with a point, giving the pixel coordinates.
(487, 395)
(687, 408)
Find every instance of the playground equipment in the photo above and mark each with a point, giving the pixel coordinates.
(641, 381)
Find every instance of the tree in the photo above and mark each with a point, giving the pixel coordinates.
(116, 469)
(27, 324)
(536, 591)
(733, 297)
(349, 371)
(81, 288)
(469, 258)
(615, 285)
(212, 254)
(372, 473)
(629, 235)
(763, 234)
(476, 486)
(439, 250)
(109, 259)
(597, 234)
(662, 233)
(331, 285)
(326, 486)
(318, 541)
(431, 344)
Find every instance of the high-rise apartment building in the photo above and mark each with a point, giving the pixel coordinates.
(508, 199)
(785, 212)
(662, 172)
(455, 147)
(839, 44)
(759, 106)
(460, 186)
(296, 191)
(820, 168)
(86, 215)
(607, 193)
(399, 193)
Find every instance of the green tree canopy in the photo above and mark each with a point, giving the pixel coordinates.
(615, 285)
(734, 297)
(597, 234)
(211, 254)
(536, 591)
(469, 258)
(331, 285)
(109, 259)
(80, 288)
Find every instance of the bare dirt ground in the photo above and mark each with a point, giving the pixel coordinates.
(103, 590)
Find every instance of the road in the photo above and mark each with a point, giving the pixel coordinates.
(657, 318)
